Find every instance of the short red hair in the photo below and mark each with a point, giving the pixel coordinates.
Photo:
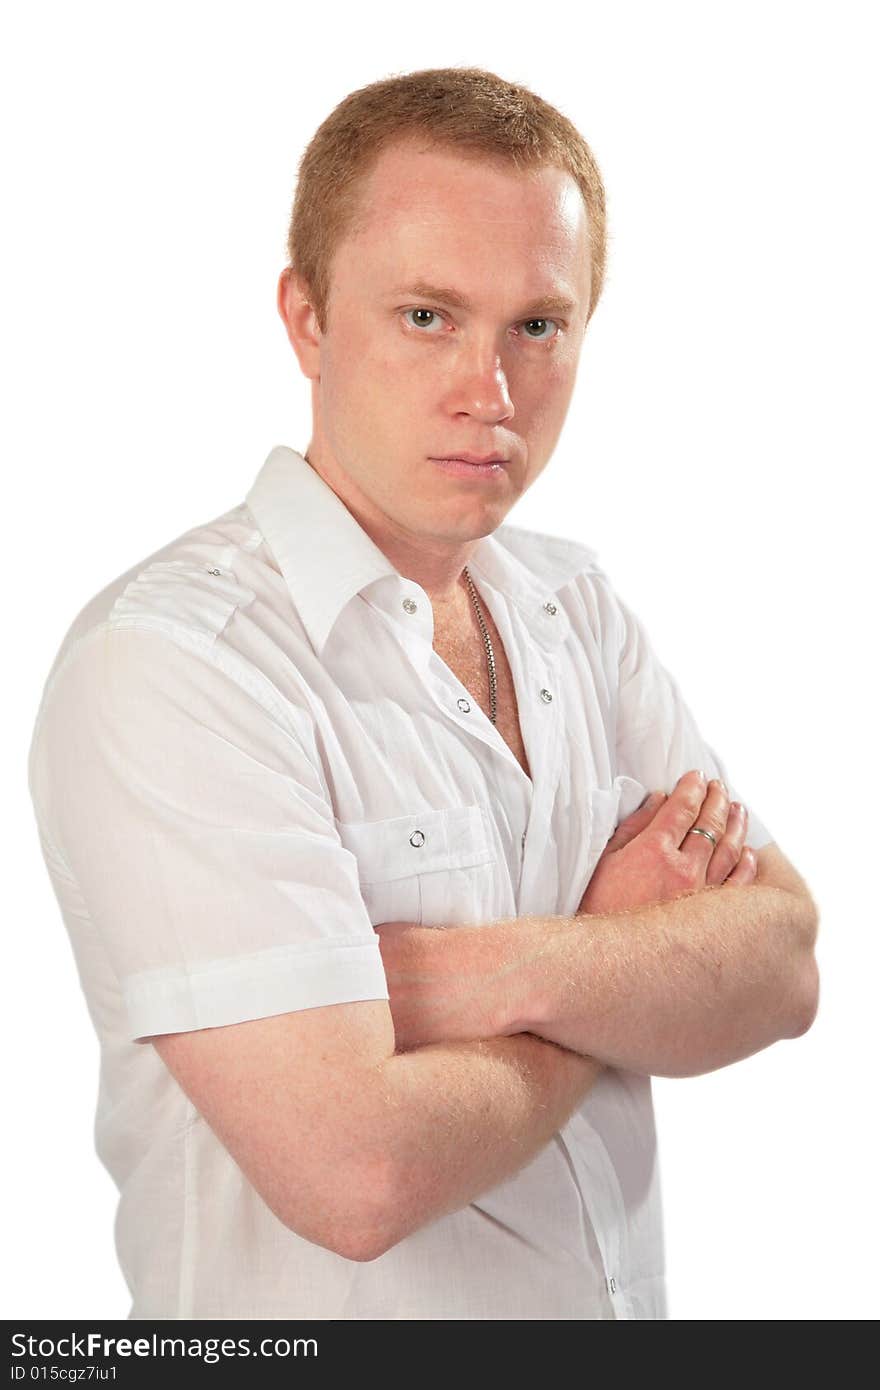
(467, 109)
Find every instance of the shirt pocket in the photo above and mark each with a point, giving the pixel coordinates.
(607, 807)
(435, 867)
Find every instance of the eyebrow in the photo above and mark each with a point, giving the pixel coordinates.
(443, 294)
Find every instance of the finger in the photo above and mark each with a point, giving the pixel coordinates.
(730, 846)
(712, 820)
(681, 808)
(633, 824)
(746, 870)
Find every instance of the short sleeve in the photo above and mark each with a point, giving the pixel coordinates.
(200, 835)
(657, 736)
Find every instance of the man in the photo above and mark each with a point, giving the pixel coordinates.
(328, 790)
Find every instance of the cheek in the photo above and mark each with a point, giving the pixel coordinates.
(348, 372)
(541, 396)
(368, 406)
(375, 377)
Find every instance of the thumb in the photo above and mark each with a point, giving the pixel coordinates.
(637, 821)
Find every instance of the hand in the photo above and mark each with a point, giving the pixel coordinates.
(652, 858)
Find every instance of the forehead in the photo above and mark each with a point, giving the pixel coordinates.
(422, 206)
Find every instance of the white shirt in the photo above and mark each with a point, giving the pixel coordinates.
(237, 743)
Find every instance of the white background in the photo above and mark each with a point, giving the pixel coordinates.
(720, 454)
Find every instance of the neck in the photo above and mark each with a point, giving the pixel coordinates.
(441, 576)
(437, 567)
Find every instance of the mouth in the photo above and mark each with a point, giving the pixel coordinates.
(471, 466)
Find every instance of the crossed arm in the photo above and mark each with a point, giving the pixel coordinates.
(495, 1034)
(669, 988)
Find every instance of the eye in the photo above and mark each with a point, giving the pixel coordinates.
(426, 318)
(541, 324)
(430, 321)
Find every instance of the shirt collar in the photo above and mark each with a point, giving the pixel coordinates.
(324, 554)
(326, 557)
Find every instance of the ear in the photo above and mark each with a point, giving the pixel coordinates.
(300, 321)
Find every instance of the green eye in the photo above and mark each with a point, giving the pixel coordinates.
(430, 319)
(542, 323)
(428, 315)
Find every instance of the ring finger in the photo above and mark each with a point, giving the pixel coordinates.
(701, 839)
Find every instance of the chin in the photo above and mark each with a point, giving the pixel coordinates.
(468, 529)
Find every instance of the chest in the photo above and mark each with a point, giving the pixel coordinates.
(462, 647)
(444, 827)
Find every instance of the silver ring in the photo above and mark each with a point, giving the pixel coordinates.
(695, 830)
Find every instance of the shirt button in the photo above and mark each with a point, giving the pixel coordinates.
(550, 608)
(612, 1285)
(464, 706)
(546, 696)
(410, 605)
(213, 571)
(417, 839)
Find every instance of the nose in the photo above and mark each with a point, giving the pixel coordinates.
(479, 386)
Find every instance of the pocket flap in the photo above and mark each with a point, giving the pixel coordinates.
(610, 805)
(631, 794)
(455, 838)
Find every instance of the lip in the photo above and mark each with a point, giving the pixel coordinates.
(472, 466)
(473, 458)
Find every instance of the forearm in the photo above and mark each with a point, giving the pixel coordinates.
(456, 1119)
(673, 989)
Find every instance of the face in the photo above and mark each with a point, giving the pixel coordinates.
(455, 320)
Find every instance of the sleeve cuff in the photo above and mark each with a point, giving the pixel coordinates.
(277, 981)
